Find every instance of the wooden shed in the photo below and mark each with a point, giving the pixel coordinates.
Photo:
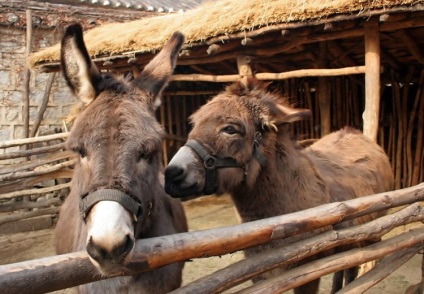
(357, 63)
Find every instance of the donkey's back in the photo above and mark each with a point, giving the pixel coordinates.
(351, 165)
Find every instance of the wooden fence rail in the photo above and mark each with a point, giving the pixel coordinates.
(34, 175)
(68, 270)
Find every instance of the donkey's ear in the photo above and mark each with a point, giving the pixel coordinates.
(155, 76)
(280, 114)
(80, 72)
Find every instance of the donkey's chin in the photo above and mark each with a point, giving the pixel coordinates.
(177, 191)
(112, 269)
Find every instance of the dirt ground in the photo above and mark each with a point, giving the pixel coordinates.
(203, 213)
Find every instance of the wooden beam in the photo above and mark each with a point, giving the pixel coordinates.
(414, 49)
(32, 152)
(272, 76)
(18, 142)
(372, 79)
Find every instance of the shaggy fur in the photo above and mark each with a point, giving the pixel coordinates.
(118, 141)
(341, 166)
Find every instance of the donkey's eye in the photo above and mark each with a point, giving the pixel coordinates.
(143, 155)
(229, 130)
(81, 151)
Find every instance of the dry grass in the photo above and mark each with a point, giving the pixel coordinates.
(211, 19)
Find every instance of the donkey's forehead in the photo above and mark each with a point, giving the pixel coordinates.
(126, 119)
(226, 108)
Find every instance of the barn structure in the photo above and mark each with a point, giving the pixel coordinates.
(357, 63)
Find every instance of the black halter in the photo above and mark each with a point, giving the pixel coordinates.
(125, 200)
(212, 163)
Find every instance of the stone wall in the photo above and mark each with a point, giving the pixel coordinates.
(12, 66)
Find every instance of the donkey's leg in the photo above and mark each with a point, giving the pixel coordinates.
(309, 288)
(351, 274)
(337, 282)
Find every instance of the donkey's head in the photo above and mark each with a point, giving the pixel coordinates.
(118, 141)
(232, 137)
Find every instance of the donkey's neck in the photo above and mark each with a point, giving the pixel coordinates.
(287, 184)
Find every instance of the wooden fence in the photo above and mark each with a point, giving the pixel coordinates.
(68, 270)
(34, 179)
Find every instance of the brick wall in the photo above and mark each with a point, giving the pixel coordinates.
(12, 65)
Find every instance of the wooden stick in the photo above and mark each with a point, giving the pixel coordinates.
(37, 162)
(324, 94)
(273, 76)
(56, 201)
(246, 269)
(31, 152)
(35, 191)
(20, 175)
(27, 74)
(308, 272)
(73, 269)
(398, 144)
(372, 79)
(383, 268)
(31, 181)
(404, 109)
(418, 164)
(13, 217)
(410, 128)
(43, 105)
(18, 142)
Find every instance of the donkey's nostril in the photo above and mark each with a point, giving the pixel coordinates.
(174, 173)
(115, 254)
(123, 249)
(96, 252)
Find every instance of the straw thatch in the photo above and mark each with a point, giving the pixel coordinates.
(214, 19)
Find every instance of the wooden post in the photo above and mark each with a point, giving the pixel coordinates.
(324, 93)
(27, 74)
(244, 68)
(372, 79)
(43, 105)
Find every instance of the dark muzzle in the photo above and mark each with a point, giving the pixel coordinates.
(211, 165)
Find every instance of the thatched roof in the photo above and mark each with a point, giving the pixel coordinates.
(219, 18)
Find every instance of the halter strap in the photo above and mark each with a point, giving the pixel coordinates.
(212, 163)
(110, 195)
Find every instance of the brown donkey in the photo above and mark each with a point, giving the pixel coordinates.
(240, 144)
(117, 194)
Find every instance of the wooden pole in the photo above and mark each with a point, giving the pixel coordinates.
(372, 79)
(68, 270)
(324, 93)
(43, 105)
(313, 72)
(27, 74)
(244, 70)
(18, 142)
